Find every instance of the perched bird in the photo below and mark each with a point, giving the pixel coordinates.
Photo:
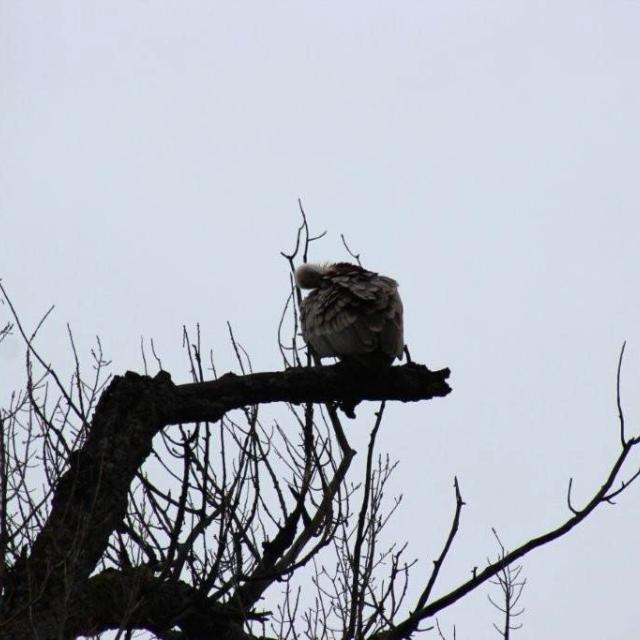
(351, 313)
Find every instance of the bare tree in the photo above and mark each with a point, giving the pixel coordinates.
(131, 503)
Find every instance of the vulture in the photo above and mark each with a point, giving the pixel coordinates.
(351, 313)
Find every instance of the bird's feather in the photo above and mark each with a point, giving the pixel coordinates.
(353, 312)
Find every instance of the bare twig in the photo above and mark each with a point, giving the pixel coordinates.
(618, 401)
(508, 579)
(359, 582)
(355, 256)
(437, 564)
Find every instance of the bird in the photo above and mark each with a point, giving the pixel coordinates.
(351, 313)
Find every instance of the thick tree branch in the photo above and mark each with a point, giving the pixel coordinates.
(210, 400)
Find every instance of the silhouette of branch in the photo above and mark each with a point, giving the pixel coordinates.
(90, 500)
(603, 495)
(144, 601)
(512, 588)
(437, 564)
(210, 400)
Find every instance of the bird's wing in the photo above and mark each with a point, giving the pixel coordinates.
(392, 336)
(354, 314)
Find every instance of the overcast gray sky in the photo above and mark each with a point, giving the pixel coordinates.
(485, 154)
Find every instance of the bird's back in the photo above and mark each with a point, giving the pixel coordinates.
(354, 313)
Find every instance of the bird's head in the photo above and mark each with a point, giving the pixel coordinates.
(309, 276)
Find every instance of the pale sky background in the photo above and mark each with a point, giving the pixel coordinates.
(485, 154)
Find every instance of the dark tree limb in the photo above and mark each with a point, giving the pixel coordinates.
(90, 499)
(143, 601)
(211, 400)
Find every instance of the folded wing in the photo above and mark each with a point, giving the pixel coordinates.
(354, 312)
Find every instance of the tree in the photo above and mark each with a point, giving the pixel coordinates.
(173, 508)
